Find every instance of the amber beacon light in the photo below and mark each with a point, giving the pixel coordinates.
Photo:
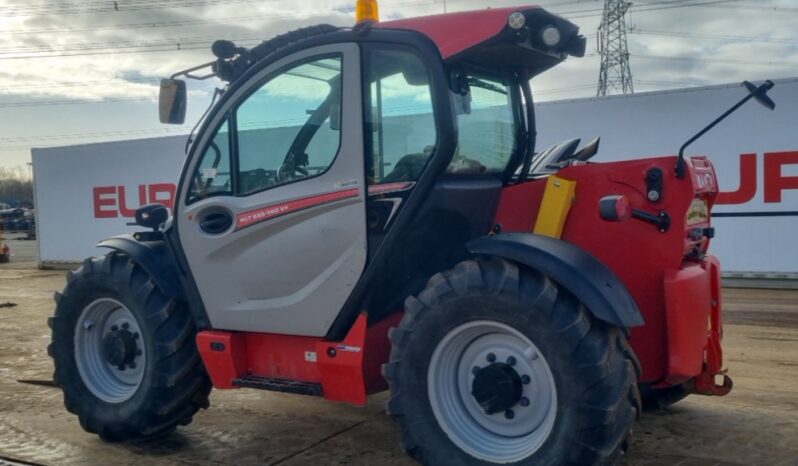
(367, 11)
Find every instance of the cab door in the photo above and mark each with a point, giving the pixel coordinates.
(272, 214)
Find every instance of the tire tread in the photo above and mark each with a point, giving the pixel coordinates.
(180, 387)
(613, 402)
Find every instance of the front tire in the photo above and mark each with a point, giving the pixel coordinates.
(496, 364)
(125, 355)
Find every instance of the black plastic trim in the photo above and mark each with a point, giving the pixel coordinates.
(153, 257)
(280, 385)
(444, 151)
(190, 288)
(532, 131)
(592, 282)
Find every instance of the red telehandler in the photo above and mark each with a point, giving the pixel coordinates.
(364, 209)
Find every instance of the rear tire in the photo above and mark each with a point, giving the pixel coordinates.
(125, 354)
(592, 368)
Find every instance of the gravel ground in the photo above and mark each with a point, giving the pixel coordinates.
(756, 424)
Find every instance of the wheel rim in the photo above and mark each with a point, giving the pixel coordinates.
(515, 432)
(109, 350)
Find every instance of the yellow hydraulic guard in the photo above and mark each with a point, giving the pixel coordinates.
(557, 200)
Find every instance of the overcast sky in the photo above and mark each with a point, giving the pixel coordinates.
(85, 71)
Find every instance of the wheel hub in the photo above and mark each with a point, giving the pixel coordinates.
(110, 351)
(497, 387)
(119, 348)
(491, 391)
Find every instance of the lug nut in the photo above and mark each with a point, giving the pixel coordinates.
(126, 326)
(114, 328)
(136, 336)
(509, 414)
(511, 361)
(525, 379)
(524, 401)
(491, 357)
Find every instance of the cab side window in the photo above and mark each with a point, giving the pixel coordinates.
(289, 128)
(487, 129)
(212, 176)
(402, 120)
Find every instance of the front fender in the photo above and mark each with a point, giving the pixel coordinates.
(592, 282)
(152, 256)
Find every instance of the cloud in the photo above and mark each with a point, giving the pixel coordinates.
(122, 54)
(119, 56)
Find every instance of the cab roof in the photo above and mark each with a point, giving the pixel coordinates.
(485, 36)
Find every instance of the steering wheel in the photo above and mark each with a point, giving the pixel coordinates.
(289, 172)
(293, 168)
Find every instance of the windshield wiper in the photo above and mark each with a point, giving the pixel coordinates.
(485, 85)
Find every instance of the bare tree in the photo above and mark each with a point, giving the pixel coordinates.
(16, 187)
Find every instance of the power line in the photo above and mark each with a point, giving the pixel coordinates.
(87, 46)
(697, 35)
(109, 7)
(67, 84)
(121, 6)
(172, 48)
(717, 60)
(146, 25)
(45, 103)
(95, 134)
(651, 6)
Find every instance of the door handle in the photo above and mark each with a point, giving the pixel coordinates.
(216, 223)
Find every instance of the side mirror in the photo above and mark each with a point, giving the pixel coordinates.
(172, 101)
(152, 216)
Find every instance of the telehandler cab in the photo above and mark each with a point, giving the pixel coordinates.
(364, 209)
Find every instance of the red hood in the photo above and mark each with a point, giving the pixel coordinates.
(456, 32)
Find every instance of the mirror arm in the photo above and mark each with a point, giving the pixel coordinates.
(187, 72)
(681, 166)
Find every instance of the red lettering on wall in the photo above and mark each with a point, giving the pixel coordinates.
(112, 201)
(747, 189)
(165, 189)
(775, 183)
(101, 199)
(123, 209)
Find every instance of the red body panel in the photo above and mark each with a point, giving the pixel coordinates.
(281, 356)
(348, 370)
(678, 296)
(456, 32)
(642, 257)
(519, 205)
(687, 305)
(224, 356)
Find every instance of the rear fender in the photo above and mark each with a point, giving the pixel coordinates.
(592, 282)
(154, 257)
